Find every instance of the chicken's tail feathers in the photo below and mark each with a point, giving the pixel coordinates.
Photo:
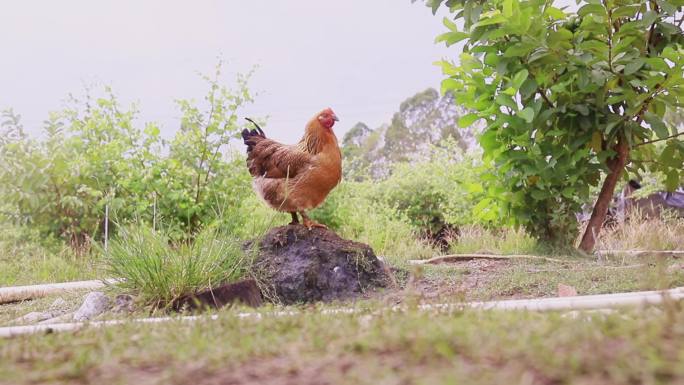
(251, 137)
(261, 132)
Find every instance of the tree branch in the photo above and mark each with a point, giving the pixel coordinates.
(543, 95)
(658, 140)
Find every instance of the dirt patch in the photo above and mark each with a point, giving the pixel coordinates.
(298, 265)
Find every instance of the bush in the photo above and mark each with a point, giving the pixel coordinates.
(94, 155)
(160, 271)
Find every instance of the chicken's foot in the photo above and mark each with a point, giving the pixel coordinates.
(309, 223)
(295, 220)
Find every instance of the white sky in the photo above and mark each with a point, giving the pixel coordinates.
(360, 57)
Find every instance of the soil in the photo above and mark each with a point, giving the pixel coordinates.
(298, 265)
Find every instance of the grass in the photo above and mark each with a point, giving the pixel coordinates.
(379, 346)
(645, 234)
(476, 239)
(159, 272)
(26, 259)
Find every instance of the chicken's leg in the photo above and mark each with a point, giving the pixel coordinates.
(309, 223)
(295, 220)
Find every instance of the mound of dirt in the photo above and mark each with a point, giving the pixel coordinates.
(298, 265)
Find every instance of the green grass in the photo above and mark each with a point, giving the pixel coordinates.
(476, 239)
(27, 259)
(159, 272)
(377, 346)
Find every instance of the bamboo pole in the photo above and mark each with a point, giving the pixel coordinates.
(643, 253)
(22, 293)
(587, 302)
(469, 257)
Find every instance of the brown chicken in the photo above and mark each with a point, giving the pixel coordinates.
(296, 178)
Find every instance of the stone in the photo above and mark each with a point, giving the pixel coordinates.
(94, 304)
(566, 290)
(124, 303)
(59, 303)
(34, 316)
(297, 265)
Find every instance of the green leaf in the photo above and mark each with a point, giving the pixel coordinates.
(568, 192)
(449, 84)
(672, 180)
(624, 11)
(490, 18)
(449, 24)
(592, 9)
(451, 38)
(518, 50)
(467, 120)
(634, 65)
(554, 13)
(656, 124)
(505, 100)
(520, 78)
(527, 114)
(489, 141)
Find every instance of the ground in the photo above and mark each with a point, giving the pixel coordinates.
(384, 346)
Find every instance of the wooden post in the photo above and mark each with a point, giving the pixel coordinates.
(106, 227)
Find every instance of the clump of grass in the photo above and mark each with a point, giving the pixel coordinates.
(639, 233)
(477, 239)
(159, 271)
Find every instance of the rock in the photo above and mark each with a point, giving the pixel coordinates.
(95, 303)
(298, 265)
(245, 292)
(566, 290)
(68, 317)
(34, 316)
(124, 303)
(59, 303)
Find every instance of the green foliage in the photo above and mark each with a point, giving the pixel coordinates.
(355, 211)
(559, 92)
(442, 190)
(423, 121)
(417, 200)
(28, 258)
(160, 271)
(94, 155)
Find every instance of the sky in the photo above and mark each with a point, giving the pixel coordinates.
(359, 57)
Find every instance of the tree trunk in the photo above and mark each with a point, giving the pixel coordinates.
(598, 215)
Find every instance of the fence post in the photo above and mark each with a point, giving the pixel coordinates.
(106, 227)
(154, 212)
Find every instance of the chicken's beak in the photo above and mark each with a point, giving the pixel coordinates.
(335, 118)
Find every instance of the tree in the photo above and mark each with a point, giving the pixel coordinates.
(423, 120)
(570, 100)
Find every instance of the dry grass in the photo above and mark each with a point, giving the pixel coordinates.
(644, 234)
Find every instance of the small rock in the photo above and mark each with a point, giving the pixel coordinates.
(566, 290)
(95, 303)
(675, 268)
(59, 303)
(59, 319)
(123, 303)
(34, 316)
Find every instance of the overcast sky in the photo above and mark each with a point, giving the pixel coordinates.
(360, 57)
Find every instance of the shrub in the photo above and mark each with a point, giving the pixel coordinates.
(94, 155)
(160, 271)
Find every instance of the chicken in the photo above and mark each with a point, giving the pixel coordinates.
(296, 178)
